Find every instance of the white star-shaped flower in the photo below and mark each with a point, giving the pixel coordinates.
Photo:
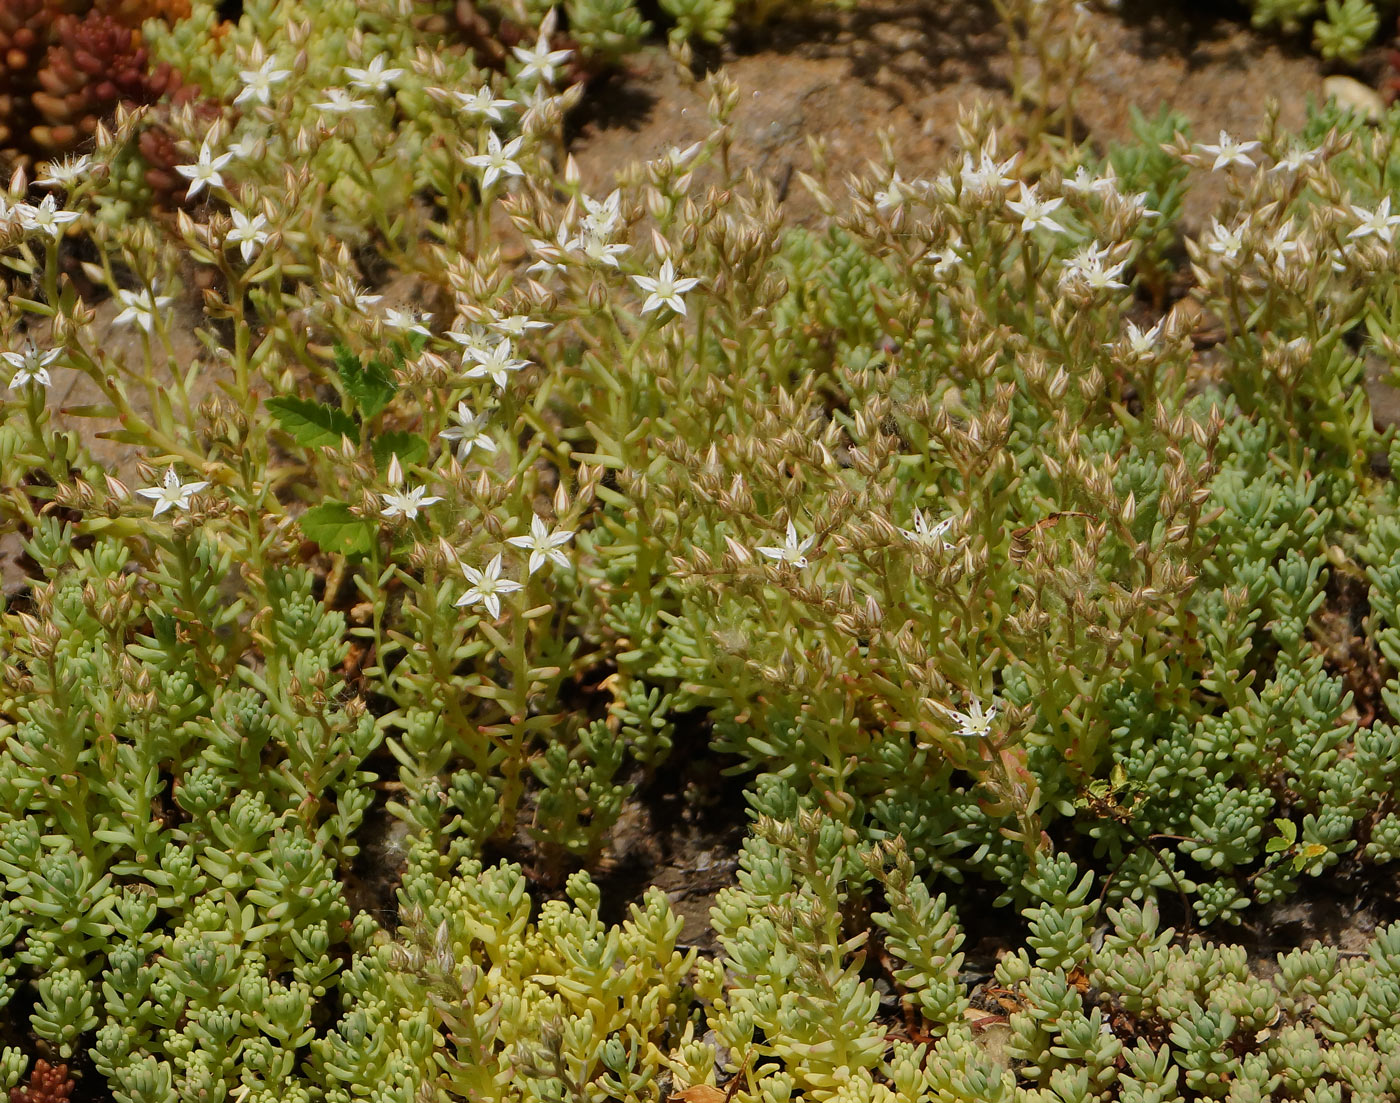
(497, 362)
(407, 321)
(597, 248)
(514, 325)
(47, 217)
(1087, 267)
(987, 177)
(665, 289)
(1034, 211)
(792, 550)
(258, 83)
(975, 723)
(473, 336)
(1379, 223)
(31, 366)
(204, 173)
(65, 173)
(1295, 160)
(340, 102)
(486, 586)
(482, 104)
(1083, 183)
(541, 60)
(172, 493)
(247, 233)
(497, 161)
(543, 544)
(893, 195)
(469, 432)
(375, 78)
(1142, 343)
(1228, 152)
(1225, 242)
(926, 534)
(601, 216)
(141, 307)
(406, 502)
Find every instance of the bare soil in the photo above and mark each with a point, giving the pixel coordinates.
(908, 68)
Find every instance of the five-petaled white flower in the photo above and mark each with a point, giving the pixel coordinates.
(1223, 241)
(141, 307)
(665, 288)
(1142, 343)
(1087, 267)
(598, 249)
(406, 502)
(892, 195)
(31, 366)
(63, 174)
(514, 325)
(497, 362)
(469, 432)
(1379, 222)
(792, 550)
(1228, 152)
(601, 215)
(46, 218)
(375, 78)
(541, 60)
(498, 160)
(1294, 160)
(975, 723)
(407, 321)
(926, 534)
(1085, 183)
(486, 586)
(473, 335)
(257, 83)
(172, 493)
(247, 233)
(987, 177)
(340, 102)
(543, 544)
(482, 104)
(205, 171)
(1034, 211)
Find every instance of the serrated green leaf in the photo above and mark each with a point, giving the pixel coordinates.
(336, 529)
(409, 447)
(312, 423)
(370, 386)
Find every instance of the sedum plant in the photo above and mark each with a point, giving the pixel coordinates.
(976, 566)
(1341, 29)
